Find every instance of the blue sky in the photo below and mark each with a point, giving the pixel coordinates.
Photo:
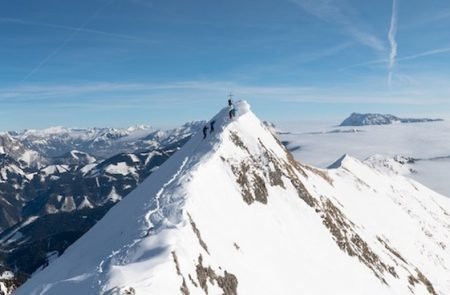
(124, 62)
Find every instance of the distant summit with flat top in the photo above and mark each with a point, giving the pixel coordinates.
(357, 119)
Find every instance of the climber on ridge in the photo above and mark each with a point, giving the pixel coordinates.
(211, 126)
(232, 110)
(205, 131)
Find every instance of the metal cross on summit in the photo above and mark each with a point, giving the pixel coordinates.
(230, 96)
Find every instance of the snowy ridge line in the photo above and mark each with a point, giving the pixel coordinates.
(155, 218)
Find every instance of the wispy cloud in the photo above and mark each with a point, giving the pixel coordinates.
(124, 91)
(392, 40)
(51, 55)
(420, 21)
(32, 92)
(288, 63)
(17, 21)
(426, 53)
(404, 58)
(138, 95)
(366, 63)
(328, 11)
(70, 37)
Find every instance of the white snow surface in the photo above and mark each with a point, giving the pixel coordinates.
(77, 154)
(68, 205)
(79, 133)
(6, 275)
(120, 168)
(282, 247)
(54, 169)
(113, 196)
(87, 168)
(30, 157)
(12, 168)
(85, 204)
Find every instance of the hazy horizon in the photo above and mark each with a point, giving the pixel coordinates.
(291, 125)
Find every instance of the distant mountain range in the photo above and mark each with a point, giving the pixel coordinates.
(357, 119)
(55, 184)
(100, 142)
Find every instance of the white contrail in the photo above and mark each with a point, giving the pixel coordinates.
(405, 58)
(330, 12)
(426, 53)
(392, 41)
(69, 28)
(51, 55)
(64, 43)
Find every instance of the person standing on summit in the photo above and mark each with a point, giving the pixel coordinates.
(230, 99)
(232, 110)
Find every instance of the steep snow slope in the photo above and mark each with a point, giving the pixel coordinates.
(235, 214)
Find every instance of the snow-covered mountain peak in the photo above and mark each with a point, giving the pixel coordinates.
(344, 161)
(138, 127)
(75, 157)
(16, 150)
(101, 142)
(234, 213)
(82, 132)
(357, 119)
(54, 130)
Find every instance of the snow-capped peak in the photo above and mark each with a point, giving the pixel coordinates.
(357, 119)
(341, 162)
(54, 130)
(82, 156)
(138, 127)
(234, 213)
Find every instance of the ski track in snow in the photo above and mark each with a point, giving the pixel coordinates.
(156, 214)
(155, 220)
(118, 257)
